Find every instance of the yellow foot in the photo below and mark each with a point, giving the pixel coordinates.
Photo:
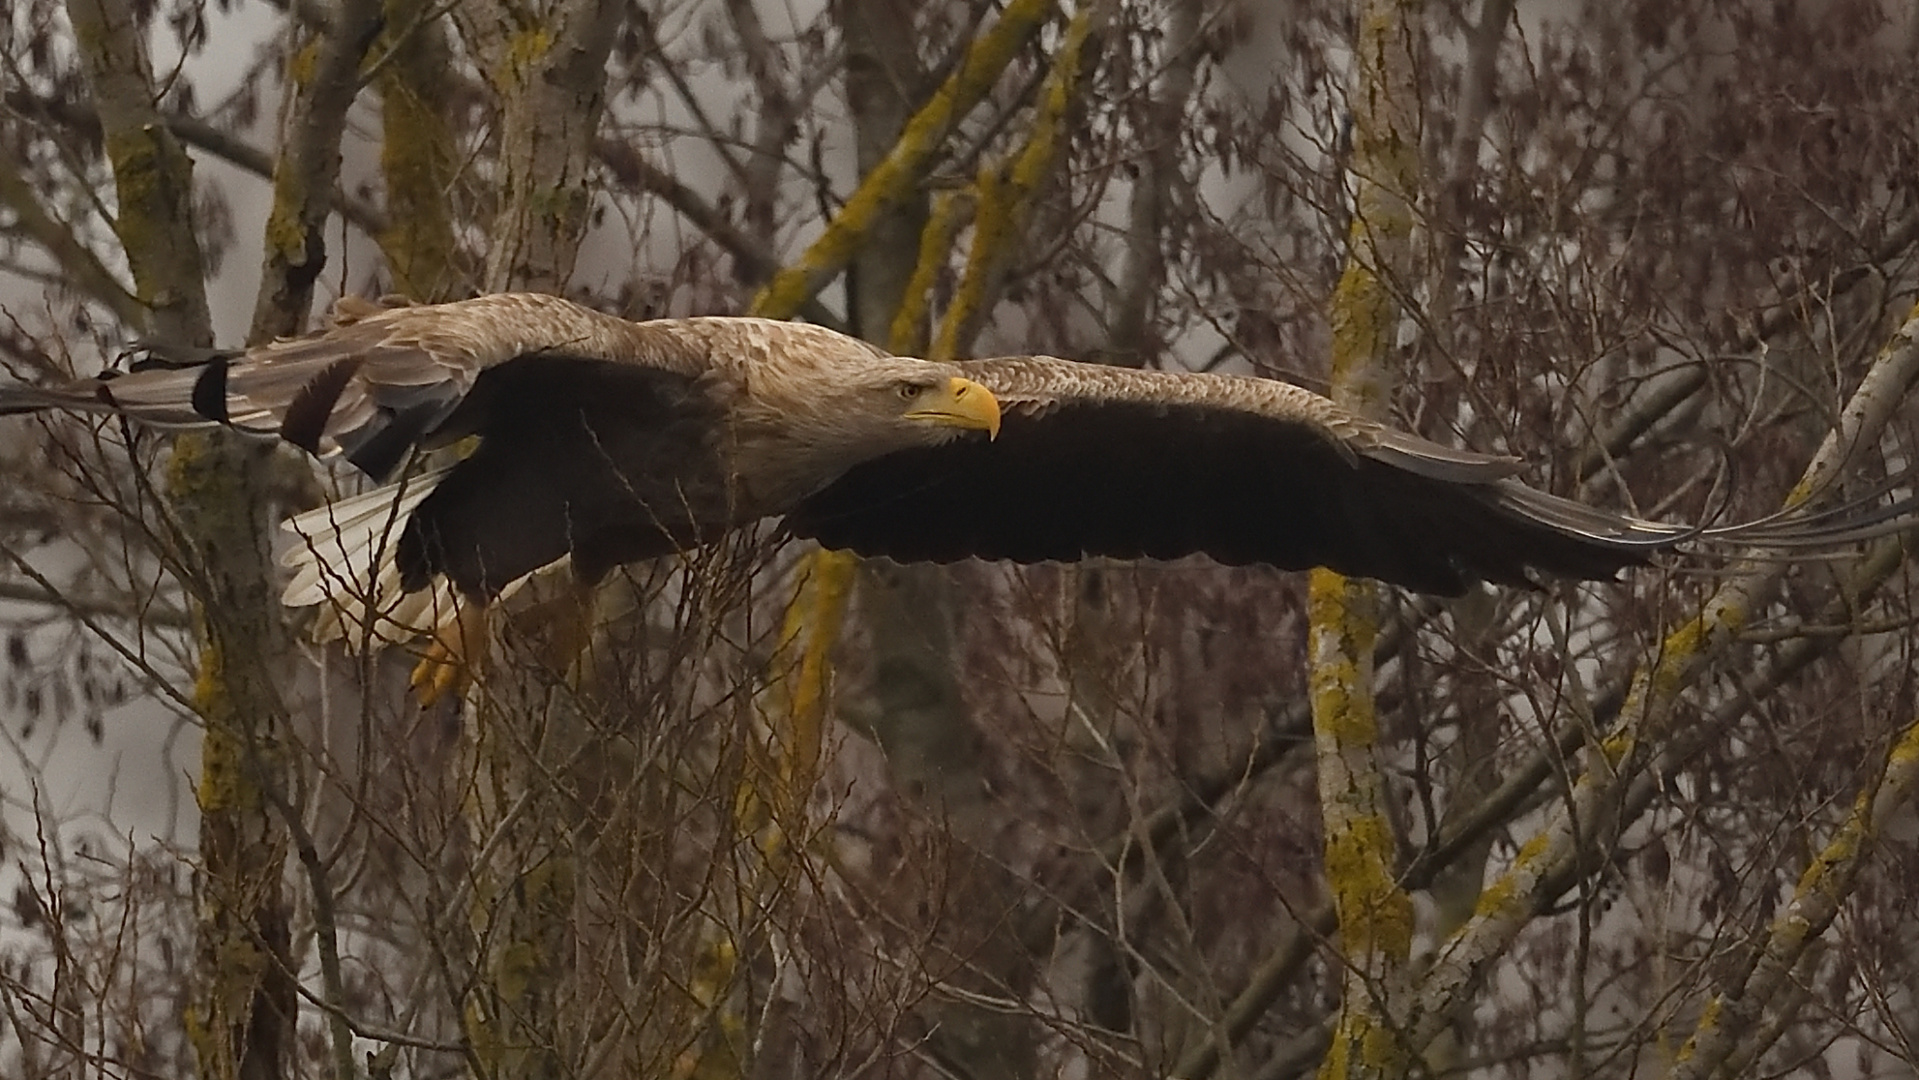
(448, 664)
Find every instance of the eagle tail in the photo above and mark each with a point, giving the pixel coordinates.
(171, 407)
(342, 558)
(215, 389)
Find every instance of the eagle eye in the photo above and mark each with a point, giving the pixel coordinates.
(909, 391)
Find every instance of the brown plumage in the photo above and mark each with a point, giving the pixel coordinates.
(607, 441)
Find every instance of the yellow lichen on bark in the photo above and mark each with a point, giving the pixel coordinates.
(899, 175)
(1726, 1038)
(813, 627)
(1375, 915)
(1655, 688)
(417, 152)
(243, 847)
(1006, 196)
(525, 49)
(951, 211)
(150, 173)
(1498, 898)
(285, 233)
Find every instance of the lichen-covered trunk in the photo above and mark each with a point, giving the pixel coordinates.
(243, 1020)
(547, 65)
(418, 157)
(523, 1018)
(1375, 915)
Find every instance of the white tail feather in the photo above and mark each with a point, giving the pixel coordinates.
(342, 559)
(342, 562)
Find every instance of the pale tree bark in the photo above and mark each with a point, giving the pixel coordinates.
(152, 175)
(244, 1021)
(244, 1016)
(307, 170)
(1375, 915)
(547, 64)
(776, 122)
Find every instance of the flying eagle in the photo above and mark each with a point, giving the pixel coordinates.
(606, 441)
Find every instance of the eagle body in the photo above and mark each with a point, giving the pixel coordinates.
(603, 441)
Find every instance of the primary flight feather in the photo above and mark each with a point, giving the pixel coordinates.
(603, 441)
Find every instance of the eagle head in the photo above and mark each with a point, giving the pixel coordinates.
(947, 401)
(896, 402)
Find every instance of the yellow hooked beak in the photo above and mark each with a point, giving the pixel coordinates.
(961, 403)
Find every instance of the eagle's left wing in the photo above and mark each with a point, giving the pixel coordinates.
(1096, 460)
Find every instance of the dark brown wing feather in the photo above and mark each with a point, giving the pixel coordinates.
(607, 462)
(1090, 463)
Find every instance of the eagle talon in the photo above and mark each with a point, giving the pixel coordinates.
(447, 665)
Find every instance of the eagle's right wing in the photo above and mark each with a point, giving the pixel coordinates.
(370, 387)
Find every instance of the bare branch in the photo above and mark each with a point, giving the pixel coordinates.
(73, 257)
(912, 158)
(1649, 709)
(80, 118)
(307, 170)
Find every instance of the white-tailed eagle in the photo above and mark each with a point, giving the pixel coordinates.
(605, 441)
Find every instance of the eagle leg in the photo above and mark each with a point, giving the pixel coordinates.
(560, 627)
(447, 665)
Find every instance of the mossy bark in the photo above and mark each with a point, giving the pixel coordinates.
(417, 153)
(524, 1013)
(242, 1022)
(1375, 914)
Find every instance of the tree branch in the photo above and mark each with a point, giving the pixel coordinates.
(79, 117)
(1555, 851)
(74, 259)
(1006, 202)
(1375, 915)
(911, 159)
(307, 171)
